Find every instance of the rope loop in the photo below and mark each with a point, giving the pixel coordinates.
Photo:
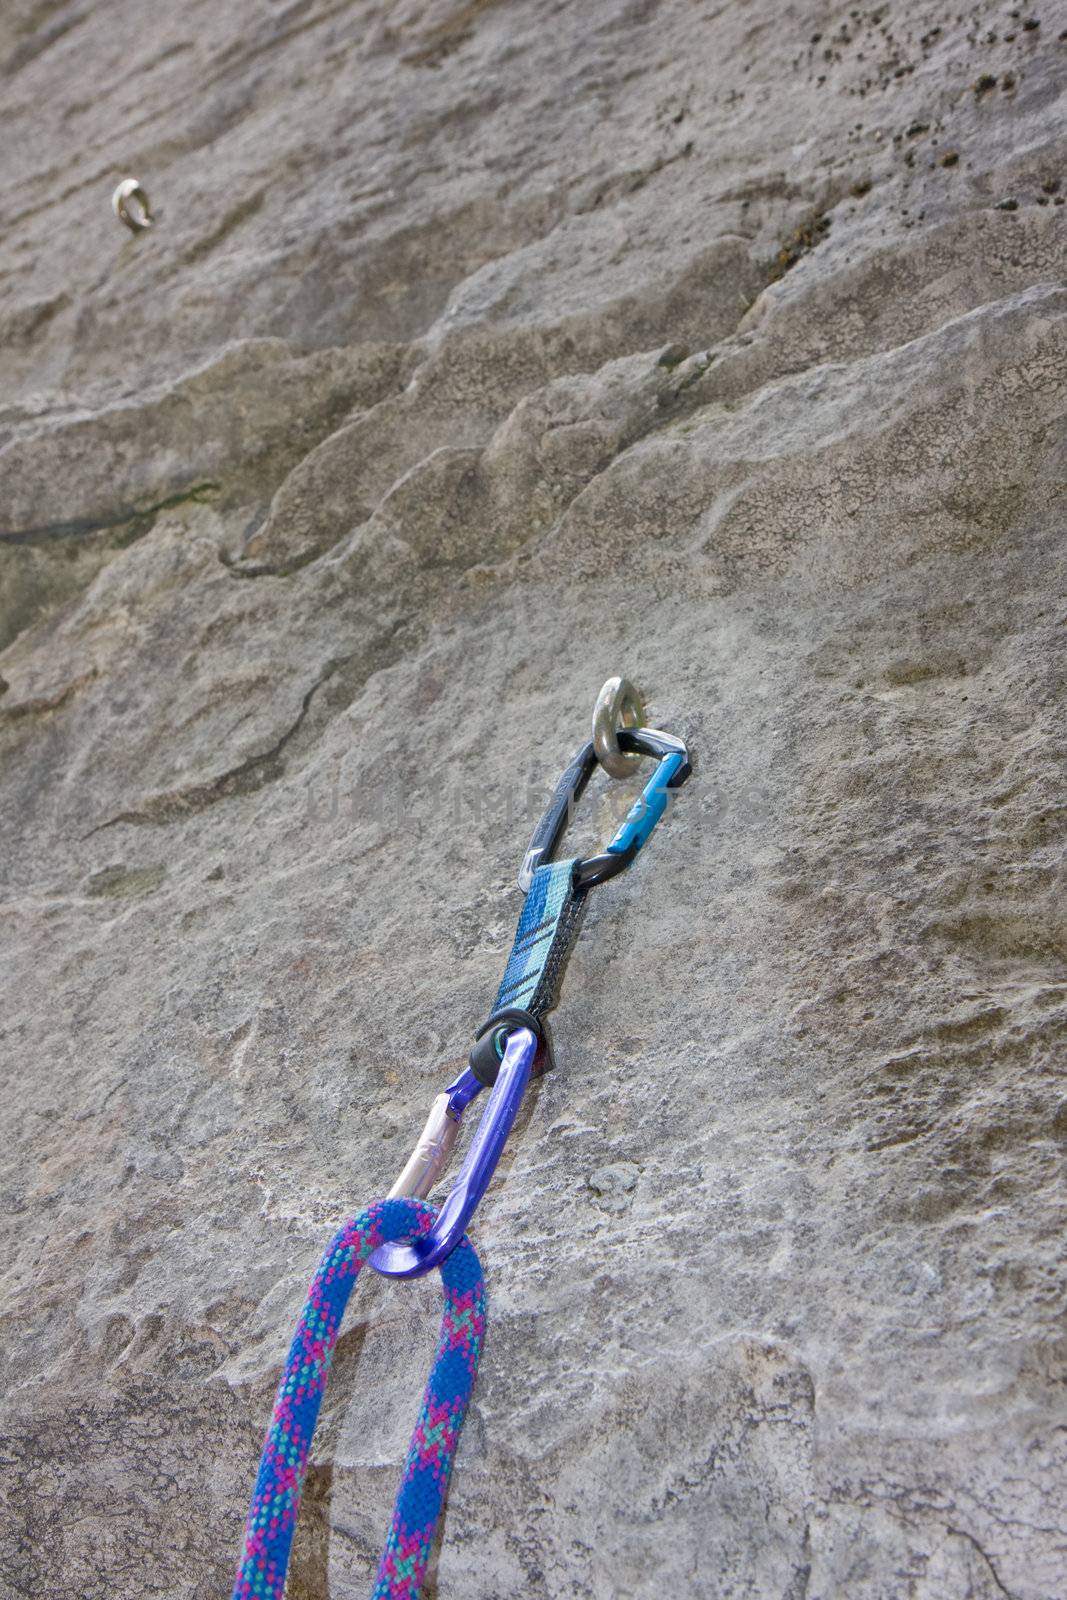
(287, 1446)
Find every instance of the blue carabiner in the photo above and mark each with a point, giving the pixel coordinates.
(430, 1248)
(671, 772)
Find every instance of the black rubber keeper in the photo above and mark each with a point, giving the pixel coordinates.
(485, 1058)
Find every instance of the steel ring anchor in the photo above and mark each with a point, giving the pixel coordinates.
(618, 705)
(131, 205)
(431, 1248)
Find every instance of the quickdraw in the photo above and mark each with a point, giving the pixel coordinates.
(403, 1236)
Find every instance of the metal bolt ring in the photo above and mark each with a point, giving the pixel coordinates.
(139, 216)
(618, 705)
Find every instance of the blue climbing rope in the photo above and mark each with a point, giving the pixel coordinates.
(283, 1464)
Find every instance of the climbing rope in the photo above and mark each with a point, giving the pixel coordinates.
(283, 1464)
(402, 1236)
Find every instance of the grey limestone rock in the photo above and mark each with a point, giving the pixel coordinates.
(479, 351)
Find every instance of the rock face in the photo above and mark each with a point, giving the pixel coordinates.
(479, 351)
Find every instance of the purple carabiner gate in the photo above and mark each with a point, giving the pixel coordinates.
(505, 1097)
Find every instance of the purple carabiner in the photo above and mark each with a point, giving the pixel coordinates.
(430, 1249)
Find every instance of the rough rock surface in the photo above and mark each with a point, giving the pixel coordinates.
(481, 350)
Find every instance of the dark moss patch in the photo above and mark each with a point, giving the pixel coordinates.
(125, 883)
(806, 237)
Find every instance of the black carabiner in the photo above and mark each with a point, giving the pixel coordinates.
(671, 772)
